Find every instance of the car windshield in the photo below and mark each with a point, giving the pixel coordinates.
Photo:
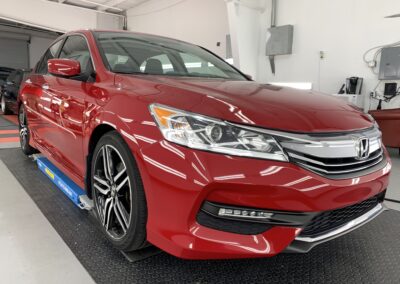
(145, 54)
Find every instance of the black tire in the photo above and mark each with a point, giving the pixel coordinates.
(4, 108)
(24, 133)
(126, 235)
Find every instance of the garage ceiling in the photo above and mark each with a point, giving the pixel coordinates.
(111, 6)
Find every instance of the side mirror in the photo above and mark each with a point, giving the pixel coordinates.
(64, 67)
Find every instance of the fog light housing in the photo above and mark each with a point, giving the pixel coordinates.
(257, 215)
(247, 214)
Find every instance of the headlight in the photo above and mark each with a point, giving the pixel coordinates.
(205, 133)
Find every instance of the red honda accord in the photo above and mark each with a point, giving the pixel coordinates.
(179, 149)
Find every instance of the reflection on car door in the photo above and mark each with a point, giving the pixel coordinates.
(68, 104)
(38, 98)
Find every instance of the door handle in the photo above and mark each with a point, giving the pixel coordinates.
(45, 86)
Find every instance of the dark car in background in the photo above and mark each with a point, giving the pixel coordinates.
(4, 73)
(10, 90)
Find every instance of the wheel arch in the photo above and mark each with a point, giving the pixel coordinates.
(97, 133)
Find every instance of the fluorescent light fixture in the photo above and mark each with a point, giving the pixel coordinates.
(101, 5)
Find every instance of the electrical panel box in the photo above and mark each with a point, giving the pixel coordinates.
(390, 64)
(281, 40)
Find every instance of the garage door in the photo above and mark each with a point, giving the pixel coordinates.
(14, 50)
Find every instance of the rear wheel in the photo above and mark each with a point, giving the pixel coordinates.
(118, 193)
(24, 133)
(4, 107)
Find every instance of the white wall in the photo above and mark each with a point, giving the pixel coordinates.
(248, 25)
(51, 15)
(203, 22)
(343, 29)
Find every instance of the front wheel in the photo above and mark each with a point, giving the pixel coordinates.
(24, 133)
(118, 193)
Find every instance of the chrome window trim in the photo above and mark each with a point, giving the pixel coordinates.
(65, 38)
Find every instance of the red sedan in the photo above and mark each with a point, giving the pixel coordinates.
(179, 149)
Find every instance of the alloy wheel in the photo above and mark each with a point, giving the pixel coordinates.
(23, 128)
(112, 191)
(3, 104)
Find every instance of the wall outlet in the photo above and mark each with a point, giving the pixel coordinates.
(322, 54)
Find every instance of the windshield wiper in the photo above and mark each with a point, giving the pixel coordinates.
(206, 76)
(173, 75)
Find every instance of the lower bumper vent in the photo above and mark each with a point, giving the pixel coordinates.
(330, 220)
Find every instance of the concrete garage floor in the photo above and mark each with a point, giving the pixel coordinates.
(31, 250)
(44, 238)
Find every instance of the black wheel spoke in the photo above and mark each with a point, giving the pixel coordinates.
(23, 128)
(121, 216)
(107, 209)
(105, 163)
(122, 184)
(102, 190)
(123, 171)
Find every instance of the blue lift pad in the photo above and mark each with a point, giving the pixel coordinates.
(64, 183)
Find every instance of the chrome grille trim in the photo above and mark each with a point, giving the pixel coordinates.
(356, 162)
(333, 155)
(319, 170)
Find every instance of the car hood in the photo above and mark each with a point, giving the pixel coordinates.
(262, 105)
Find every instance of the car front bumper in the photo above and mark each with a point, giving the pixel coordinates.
(178, 181)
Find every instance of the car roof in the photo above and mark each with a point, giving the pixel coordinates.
(138, 34)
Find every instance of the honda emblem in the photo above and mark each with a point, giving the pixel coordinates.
(362, 148)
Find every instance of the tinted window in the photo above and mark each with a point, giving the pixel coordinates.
(75, 47)
(50, 54)
(160, 62)
(18, 78)
(12, 76)
(198, 66)
(132, 53)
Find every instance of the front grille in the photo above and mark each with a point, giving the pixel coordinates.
(335, 166)
(330, 220)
